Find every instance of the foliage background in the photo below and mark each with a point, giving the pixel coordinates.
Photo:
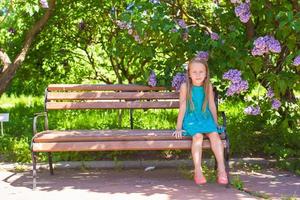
(83, 42)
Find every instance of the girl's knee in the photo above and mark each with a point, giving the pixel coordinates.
(198, 136)
(214, 135)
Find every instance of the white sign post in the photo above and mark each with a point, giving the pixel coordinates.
(4, 117)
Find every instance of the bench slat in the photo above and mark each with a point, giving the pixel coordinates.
(117, 145)
(104, 135)
(110, 95)
(89, 87)
(110, 105)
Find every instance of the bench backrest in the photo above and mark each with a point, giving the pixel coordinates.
(79, 96)
(84, 96)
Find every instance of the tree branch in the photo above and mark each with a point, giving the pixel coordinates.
(295, 5)
(5, 60)
(9, 70)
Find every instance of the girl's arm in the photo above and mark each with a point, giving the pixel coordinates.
(182, 108)
(212, 104)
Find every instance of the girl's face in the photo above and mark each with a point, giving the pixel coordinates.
(197, 73)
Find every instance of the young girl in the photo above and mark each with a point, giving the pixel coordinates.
(198, 116)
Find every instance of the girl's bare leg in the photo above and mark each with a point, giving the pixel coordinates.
(218, 150)
(197, 154)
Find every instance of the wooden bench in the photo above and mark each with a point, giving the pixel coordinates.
(82, 97)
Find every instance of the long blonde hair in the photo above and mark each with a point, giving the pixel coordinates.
(205, 84)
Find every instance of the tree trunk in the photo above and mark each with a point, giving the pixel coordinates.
(10, 68)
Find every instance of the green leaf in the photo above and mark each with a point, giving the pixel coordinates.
(296, 25)
(282, 86)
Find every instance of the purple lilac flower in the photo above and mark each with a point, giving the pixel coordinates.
(243, 12)
(152, 79)
(11, 30)
(296, 61)
(265, 44)
(237, 88)
(270, 93)
(276, 104)
(273, 44)
(137, 38)
(237, 84)
(181, 23)
(251, 110)
(243, 86)
(214, 36)
(178, 79)
(44, 3)
(202, 55)
(233, 75)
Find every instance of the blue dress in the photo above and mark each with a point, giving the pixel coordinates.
(195, 121)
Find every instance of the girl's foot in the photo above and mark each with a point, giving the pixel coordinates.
(199, 179)
(222, 178)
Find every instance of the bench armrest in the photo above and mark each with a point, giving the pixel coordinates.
(223, 115)
(36, 116)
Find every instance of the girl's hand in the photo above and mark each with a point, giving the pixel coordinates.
(178, 134)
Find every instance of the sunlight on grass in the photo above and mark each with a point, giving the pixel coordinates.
(7, 102)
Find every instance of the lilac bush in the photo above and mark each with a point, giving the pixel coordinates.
(237, 84)
(233, 75)
(44, 3)
(296, 61)
(202, 55)
(276, 104)
(182, 23)
(237, 88)
(266, 44)
(243, 12)
(214, 36)
(251, 110)
(178, 79)
(270, 93)
(152, 79)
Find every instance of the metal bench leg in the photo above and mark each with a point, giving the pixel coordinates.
(226, 155)
(33, 156)
(50, 163)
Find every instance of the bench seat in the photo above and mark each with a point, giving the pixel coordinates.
(122, 139)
